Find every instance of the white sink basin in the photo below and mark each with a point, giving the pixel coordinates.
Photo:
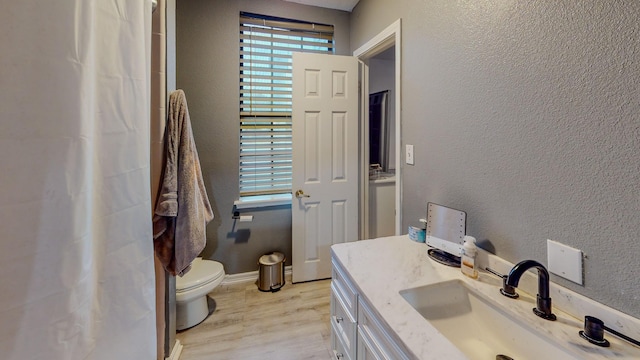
(479, 328)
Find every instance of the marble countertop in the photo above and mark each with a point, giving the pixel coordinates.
(382, 267)
(383, 177)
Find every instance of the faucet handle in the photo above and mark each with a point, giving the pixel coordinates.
(507, 290)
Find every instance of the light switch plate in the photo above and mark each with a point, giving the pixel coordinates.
(409, 155)
(564, 261)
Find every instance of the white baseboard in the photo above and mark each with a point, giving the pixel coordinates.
(175, 353)
(250, 276)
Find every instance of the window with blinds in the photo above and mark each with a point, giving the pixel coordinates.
(266, 45)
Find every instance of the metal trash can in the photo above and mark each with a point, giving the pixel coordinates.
(271, 272)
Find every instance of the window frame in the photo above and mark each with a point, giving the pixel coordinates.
(265, 88)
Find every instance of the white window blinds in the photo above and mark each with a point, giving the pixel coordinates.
(266, 44)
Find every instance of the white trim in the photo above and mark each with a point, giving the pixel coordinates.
(392, 35)
(258, 201)
(176, 352)
(380, 42)
(246, 277)
(364, 144)
(232, 279)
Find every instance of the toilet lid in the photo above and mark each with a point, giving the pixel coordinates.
(202, 272)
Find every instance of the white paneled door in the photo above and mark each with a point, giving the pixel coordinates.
(325, 160)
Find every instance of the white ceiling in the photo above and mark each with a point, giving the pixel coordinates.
(345, 5)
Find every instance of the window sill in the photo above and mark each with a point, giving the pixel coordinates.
(259, 201)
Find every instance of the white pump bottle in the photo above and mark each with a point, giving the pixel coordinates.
(468, 259)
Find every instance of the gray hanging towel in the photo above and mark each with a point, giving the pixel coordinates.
(182, 208)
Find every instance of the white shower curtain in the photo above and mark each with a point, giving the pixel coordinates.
(76, 255)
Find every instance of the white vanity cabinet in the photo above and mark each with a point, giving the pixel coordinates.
(356, 331)
(379, 342)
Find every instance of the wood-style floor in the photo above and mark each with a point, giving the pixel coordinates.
(290, 324)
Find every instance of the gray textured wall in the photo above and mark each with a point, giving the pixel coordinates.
(207, 57)
(526, 114)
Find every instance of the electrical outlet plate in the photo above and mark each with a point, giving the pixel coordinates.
(564, 261)
(409, 154)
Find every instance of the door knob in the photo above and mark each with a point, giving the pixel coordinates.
(301, 194)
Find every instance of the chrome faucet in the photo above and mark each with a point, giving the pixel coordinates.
(543, 301)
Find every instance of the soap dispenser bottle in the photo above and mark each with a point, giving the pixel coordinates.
(468, 259)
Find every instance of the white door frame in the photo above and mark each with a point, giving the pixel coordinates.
(384, 40)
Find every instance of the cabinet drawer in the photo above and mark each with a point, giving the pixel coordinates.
(345, 288)
(368, 323)
(341, 320)
(340, 351)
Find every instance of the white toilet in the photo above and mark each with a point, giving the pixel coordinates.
(192, 290)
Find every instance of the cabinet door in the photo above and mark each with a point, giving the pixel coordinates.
(370, 326)
(367, 347)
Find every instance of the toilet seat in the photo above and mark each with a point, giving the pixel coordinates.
(202, 273)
